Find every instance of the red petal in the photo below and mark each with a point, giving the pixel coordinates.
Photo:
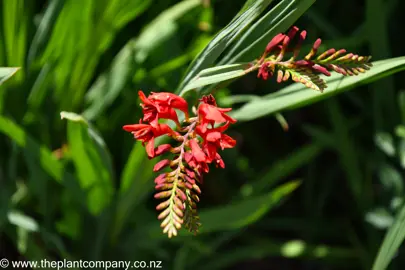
(161, 164)
(162, 129)
(197, 152)
(213, 136)
(161, 178)
(227, 142)
(135, 127)
(293, 31)
(317, 44)
(210, 112)
(274, 42)
(161, 149)
(219, 161)
(150, 148)
(321, 69)
(143, 98)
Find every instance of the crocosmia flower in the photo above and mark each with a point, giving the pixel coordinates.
(162, 106)
(195, 145)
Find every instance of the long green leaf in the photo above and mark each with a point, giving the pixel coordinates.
(392, 241)
(6, 73)
(135, 185)
(297, 95)
(44, 30)
(42, 156)
(92, 161)
(284, 167)
(110, 84)
(162, 27)
(238, 214)
(217, 74)
(277, 20)
(224, 39)
(245, 212)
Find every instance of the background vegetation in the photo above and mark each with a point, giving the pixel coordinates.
(322, 195)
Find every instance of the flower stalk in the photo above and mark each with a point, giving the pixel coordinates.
(198, 144)
(307, 70)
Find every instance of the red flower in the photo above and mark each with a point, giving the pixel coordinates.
(214, 139)
(147, 134)
(274, 42)
(211, 114)
(265, 71)
(197, 146)
(162, 105)
(197, 152)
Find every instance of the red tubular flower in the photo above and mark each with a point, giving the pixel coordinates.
(211, 114)
(214, 139)
(274, 42)
(147, 134)
(198, 143)
(307, 70)
(161, 106)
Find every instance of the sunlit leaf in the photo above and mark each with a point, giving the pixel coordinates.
(92, 161)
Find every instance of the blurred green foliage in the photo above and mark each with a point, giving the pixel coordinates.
(320, 196)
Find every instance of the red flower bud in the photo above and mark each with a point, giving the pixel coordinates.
(274, 42)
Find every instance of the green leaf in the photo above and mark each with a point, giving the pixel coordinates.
(392, 241)
(297, 95)
(16, 20)
(217, 74)
(110, 84)
(250, 11)
(42, 156)
(92, 161)
(6, 73)
(161, 28)
(385, 142)
(238, 214)
(282, 168)
(245, 212)
(135, 185)
(44, 30)
(277, 20)
(21, 220)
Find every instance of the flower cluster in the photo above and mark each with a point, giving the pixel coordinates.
(306, 70)
(198, 140)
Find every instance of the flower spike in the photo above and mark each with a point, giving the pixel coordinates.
(307, 70)
(198, 143)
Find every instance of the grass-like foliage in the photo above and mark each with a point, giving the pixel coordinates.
(200, 150)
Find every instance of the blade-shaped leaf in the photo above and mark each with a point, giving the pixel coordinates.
(21, 220)
(392, 241)
(6, 73)
(277, 20)
(238, 215)
(92, 161)
(297, 95)
(160, 28)
(223, 39)
(45, 28)
(135, 185)
(109, 85)
(245, 212)
(43, 156)
(217, 74)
